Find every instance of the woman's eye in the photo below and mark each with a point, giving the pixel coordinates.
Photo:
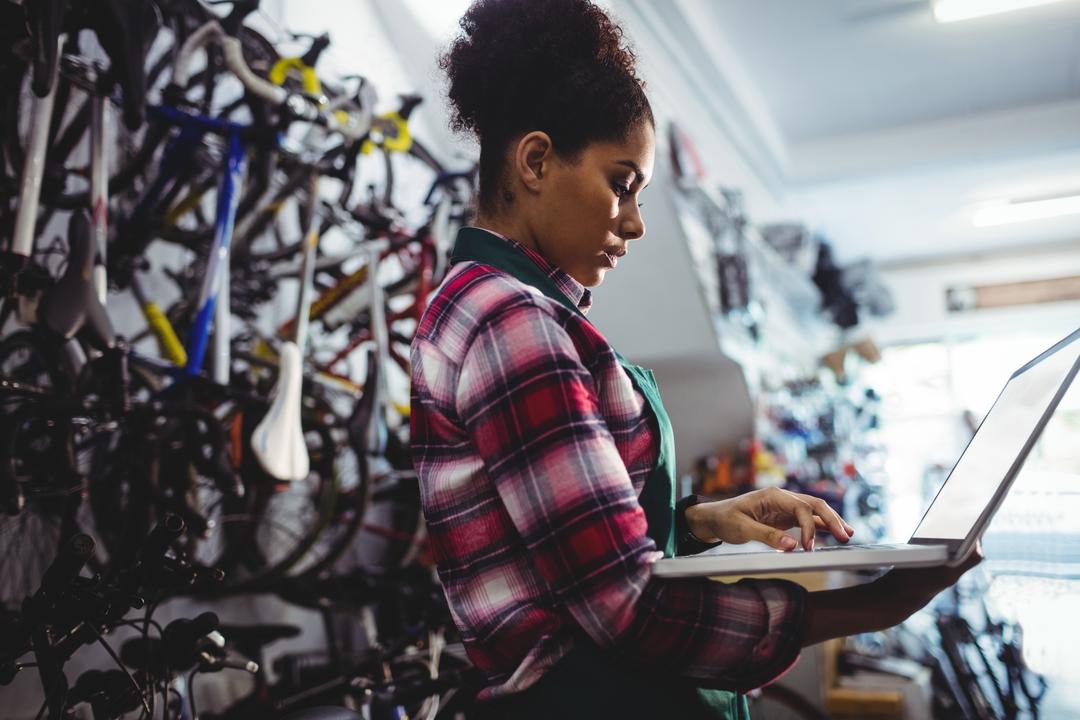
(621, 190)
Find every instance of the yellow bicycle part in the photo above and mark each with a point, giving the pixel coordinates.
(390, 132)
(186, 204)
(309, 81)
(167, 341)
(264, 351)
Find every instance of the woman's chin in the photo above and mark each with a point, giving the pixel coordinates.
(596, 278)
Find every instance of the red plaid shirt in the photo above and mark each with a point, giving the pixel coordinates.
(532, 446)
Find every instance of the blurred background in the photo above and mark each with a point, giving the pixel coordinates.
(865, 217)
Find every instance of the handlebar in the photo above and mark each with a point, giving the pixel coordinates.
(161, 537)
(296, 106)
(213, 31)
(311, 57)
(182, 639)
(69, 563)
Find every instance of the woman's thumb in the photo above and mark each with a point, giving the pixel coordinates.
(771, 536)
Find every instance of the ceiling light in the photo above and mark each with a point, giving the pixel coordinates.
(953, 10)
(1014, 212)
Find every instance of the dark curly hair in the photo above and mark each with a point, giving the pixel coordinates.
(559, 66)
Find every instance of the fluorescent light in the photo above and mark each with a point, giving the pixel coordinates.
(1014, 212)
(953, 10)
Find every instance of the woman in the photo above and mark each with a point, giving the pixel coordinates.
(546, 461)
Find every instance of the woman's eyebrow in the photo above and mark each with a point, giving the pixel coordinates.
(633, 166)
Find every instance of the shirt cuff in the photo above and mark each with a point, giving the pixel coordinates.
(685, 542)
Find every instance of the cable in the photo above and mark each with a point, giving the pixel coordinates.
(119, 664)
(179, 703)
(41, 712)
(191, 693)
(147, 621)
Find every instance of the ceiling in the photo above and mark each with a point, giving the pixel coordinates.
(891, 129)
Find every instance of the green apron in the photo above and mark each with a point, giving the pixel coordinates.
(585, 669)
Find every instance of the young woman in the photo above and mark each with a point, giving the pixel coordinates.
(546, 460)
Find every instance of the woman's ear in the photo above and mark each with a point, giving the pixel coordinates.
(532, 159)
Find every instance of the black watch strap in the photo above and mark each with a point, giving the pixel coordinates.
(686, 543)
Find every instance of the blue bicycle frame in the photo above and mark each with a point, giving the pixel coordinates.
(212, 311)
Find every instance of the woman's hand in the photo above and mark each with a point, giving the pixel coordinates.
(764, 515)
(889, 600)
(913, 588)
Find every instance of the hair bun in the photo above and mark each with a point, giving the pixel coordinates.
(561, 66)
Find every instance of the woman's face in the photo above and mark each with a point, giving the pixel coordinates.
(584, 213)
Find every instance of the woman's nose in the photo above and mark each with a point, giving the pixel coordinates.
(631, 224)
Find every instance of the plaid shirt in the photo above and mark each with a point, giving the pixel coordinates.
(531, 446)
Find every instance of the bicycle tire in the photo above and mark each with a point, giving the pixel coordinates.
(36, 454)
(24, 358)
(265, 527)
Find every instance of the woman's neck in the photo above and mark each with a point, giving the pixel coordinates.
(513, 228)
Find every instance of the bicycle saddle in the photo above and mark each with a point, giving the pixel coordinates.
(367, 431)
(72, 303)
(278, 440)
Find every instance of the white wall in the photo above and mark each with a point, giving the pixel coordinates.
(919, 289)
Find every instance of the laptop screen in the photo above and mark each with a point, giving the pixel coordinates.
(997, 445)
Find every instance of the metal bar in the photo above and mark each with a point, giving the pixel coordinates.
(213, 305)
(99, 190)
(33, 171)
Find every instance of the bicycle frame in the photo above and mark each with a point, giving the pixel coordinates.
(99, 190)
(212, 309)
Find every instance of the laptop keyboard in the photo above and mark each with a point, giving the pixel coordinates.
(832, 548)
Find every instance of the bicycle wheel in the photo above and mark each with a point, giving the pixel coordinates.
(347, 515)
(396, 184)
(277, 524)
(24, 359)
(36, 462)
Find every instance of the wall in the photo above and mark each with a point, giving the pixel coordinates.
(919, 290)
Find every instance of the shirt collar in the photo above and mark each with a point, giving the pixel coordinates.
(575, 291)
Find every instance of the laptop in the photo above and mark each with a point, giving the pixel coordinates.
(962, 508)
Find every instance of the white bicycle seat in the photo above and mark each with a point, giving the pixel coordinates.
(278, 441)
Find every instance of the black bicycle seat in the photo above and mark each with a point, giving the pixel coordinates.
(324, 713)
(257, 635)
(73, 303)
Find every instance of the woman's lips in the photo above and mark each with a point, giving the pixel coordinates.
(611, 259)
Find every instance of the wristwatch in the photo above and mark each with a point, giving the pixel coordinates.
(686, 543)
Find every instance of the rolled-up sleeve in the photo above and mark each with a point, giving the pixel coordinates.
(530, 407)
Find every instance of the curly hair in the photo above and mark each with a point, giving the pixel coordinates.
(558, 66)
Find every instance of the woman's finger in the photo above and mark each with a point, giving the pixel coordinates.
(833, 521)
(805, 517)
(826, 511)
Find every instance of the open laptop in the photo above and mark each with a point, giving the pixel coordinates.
(964, 505)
